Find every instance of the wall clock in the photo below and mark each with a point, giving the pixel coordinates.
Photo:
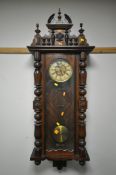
(60, 61)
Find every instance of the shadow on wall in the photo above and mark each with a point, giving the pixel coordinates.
(72, 166)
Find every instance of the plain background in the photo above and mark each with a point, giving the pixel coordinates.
(17, 25)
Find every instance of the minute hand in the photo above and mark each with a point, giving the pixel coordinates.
(60, 69)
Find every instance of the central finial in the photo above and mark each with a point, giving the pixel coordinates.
(59, 14)
(81, 25)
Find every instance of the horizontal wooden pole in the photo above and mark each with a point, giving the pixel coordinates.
(97, 50)
(11, 50)
(104, 50)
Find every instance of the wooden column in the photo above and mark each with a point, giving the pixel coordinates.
(36, 155)
(83, 156)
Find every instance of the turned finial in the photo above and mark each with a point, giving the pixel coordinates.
(59, 14)
(37, 29)
(81, 30)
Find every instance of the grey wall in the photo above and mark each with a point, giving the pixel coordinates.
(17, 24)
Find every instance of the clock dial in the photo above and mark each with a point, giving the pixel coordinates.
(60, 71)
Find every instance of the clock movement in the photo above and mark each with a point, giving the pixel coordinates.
(60, 61)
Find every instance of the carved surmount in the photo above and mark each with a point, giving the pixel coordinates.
(37, 107)
(62, 27)
(82, 109)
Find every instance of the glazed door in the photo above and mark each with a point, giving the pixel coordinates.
(60, 102)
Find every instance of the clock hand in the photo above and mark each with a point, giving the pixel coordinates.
(60, 70)
(67, 73)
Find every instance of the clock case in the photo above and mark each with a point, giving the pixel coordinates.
(60, 44)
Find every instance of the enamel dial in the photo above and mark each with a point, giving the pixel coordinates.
(60, 70)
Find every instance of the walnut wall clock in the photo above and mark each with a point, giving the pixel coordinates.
(60, 61)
